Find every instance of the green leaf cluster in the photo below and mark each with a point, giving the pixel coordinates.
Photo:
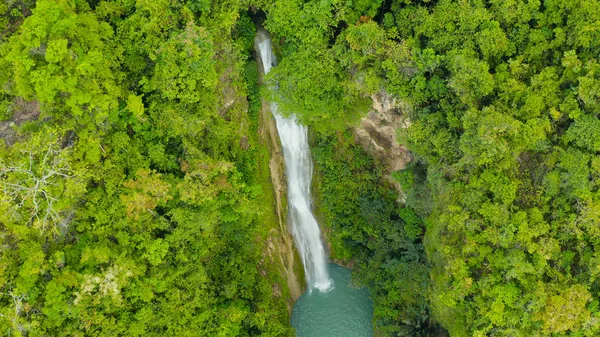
(131, 205)
(505, 121)
(382, 241)
(502, 98)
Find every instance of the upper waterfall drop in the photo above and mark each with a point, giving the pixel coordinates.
(298, 168)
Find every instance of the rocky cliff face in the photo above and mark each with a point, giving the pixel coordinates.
(377, 134)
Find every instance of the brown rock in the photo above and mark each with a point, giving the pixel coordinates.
(377, 134)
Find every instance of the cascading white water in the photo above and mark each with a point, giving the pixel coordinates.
(298, 167)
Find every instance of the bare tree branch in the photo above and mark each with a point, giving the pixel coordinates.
(19, 311)
(30, 186)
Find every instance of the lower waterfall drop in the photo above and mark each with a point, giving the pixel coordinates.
(298, 167)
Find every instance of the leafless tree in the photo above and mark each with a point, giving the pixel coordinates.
(30, 186)
(19, 304)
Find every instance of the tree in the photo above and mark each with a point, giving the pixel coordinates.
(39, 187)
(67, 61)
(185, 68)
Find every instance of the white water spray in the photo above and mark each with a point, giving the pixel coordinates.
(298, 167)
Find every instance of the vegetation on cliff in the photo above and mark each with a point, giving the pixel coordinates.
(504, 132)
(132, 204)
(131, 195)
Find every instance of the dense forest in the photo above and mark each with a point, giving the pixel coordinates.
(135, 199)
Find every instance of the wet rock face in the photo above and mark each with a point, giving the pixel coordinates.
(377, 134)
(280, 248)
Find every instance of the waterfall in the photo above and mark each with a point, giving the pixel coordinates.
(298, 168)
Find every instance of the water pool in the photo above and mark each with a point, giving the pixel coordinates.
(341, 312)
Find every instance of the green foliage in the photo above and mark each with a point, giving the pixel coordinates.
(310, 78)
(132, 205)
(310, 86)
(184, 67)
(503, 104)
(39, 185)
(244, 32)
(5, 107)
(506, 124)
(367, 227)
(585, 133)
(79, 81)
